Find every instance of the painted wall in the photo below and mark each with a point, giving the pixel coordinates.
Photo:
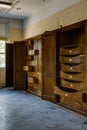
(68, 16)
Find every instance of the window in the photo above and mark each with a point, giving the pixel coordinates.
(2, 54)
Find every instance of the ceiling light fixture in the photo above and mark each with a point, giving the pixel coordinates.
(6, 5)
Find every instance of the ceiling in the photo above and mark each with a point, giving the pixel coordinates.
(22, 9)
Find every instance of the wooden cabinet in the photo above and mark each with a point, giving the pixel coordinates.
(34, 65)
(71, 79)
(19, 50)
(49, 65)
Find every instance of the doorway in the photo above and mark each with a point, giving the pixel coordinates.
(6, 64)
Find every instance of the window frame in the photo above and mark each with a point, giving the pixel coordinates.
(3, 53)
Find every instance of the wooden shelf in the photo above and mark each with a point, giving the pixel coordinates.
(34, 63)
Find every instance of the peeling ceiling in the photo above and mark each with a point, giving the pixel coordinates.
(22, 9)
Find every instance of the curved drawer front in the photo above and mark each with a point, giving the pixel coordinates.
(76, 96)
(76, 59)
(73, 77)
(77, 68)
(73, 51)
(76, 86)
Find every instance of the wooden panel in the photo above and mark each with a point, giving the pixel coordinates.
(48, 88)
(49, 56)
(49, 65)
(19, 62)
(9, 65)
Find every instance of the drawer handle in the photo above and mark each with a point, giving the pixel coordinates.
(82, 55)
(70, 51)
(70, 59)
(71, 68)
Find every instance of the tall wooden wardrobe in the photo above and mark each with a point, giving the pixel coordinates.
(71, 66)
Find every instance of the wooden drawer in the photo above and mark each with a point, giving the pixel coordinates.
(30, 58)
(32, 63)
(32, 88)
(32, 80)
(73, 51)
(74, 77)
(72, 85)
(31, 68)
(29, 43)
(77, 68)
(32, 74)
(30, 47)
(75, 96)
(33, 52)
(71, 103)
(76, 59)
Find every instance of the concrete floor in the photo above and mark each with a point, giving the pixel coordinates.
(20, 110)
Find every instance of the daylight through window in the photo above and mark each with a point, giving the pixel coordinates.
(2, 54)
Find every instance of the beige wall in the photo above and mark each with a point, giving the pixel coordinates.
(68, 16)
(15, 34)
(13, 28)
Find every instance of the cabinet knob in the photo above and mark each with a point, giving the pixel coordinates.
(70, 51)
(70, 59)
(71, 68)
(70, 76)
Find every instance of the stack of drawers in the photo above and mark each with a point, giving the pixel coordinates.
(33, 61)
(72, 67)
(72, 76)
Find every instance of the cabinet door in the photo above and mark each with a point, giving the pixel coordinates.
(49, 67)
(49, 56)
(19, 62)
(48, 88)
(9, 65)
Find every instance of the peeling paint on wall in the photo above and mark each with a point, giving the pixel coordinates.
(66, 17)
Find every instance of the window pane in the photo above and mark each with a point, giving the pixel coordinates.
(2, 60)
(2, 46)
